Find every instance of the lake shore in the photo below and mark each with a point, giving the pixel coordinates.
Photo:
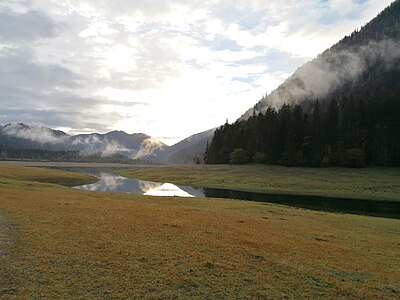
(364, 184)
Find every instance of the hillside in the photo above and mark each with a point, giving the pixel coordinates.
(342, 108)
(184, 151)
(366, 62)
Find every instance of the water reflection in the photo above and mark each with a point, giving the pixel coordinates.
(109, 182)
(167, 189)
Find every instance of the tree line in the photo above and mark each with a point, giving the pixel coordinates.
(65, 156)
(351, 132)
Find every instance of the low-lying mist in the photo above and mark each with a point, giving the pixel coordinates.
(337, 69)
(40, 137)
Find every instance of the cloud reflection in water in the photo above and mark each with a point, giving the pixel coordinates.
(167, 189)
(114, 183)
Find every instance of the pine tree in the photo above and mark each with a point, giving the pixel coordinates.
(332, 127)
(317, 135)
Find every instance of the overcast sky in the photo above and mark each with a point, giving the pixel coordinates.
(165, 68)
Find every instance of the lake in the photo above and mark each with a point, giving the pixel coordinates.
(110, 181)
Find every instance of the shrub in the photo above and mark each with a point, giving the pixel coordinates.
(197, 160)
(260, 158)
(238, 156)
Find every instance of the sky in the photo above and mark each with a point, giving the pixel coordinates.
(168, 69)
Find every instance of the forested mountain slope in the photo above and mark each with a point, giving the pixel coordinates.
(366, 62)
(342, 108)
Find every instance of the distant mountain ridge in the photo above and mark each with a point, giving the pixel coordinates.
(134, 146)
(366, 62)
(23, 136)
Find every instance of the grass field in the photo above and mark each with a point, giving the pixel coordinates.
(58, 243)
(368, 183)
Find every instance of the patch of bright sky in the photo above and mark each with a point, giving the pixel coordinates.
(189, 64)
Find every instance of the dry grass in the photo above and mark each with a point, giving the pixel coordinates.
(368, 183)
(70, 244)
(12, 175)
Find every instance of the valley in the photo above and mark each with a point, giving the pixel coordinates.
(120, 180)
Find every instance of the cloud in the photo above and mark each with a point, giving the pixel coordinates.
(48, 94)
(34, 133)
(85, 121)
(149, 8)
(113, 148)
(29, 26)
(147, 147)
(92, 145)
(17, 68)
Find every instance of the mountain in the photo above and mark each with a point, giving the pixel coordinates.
(194, 146)
(342, 108)
(184, 151)
(23, 136)
(366, 62)
(135, 145)
(138, 145)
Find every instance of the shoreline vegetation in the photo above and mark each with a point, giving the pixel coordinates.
(66, 243)
(372, 183)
